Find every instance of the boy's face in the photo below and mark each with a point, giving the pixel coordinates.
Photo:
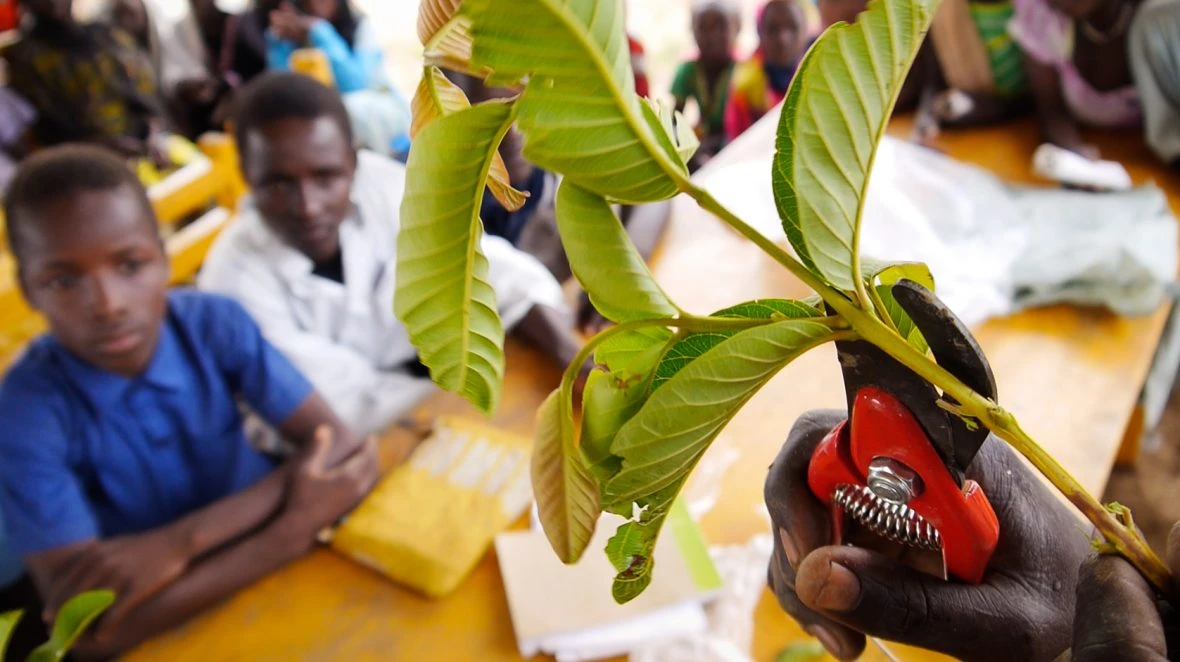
(94, 265)
(781, 33)
(714, 35)
(301, 173)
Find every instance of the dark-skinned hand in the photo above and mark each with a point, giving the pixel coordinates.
(320, 493)
(290, 24)
(1119, 617)
(1023, 610)
(134, 567)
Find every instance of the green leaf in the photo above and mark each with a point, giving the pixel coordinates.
(579, 111)
(672, 122)
(661, 444)
(632, 549)
(72, 620)
(607, 403)
(809, 651)
(832, 121)
(605, 261)
(691, 346)
(882, 281)
(633, 354)
(566, 494)
(437, 97)
(443, 294)
(8, 622)
(612, 396)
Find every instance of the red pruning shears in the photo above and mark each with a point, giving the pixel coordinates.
(897, 465)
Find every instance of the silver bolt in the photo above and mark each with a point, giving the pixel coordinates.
(893, 481)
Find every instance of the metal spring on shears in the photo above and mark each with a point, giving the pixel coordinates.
(895, 521)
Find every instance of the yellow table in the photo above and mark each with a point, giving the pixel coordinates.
(1071, 376)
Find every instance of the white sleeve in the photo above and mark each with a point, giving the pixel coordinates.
(520, 281)
(364, 397)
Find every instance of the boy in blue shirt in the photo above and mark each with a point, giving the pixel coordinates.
(124, 462)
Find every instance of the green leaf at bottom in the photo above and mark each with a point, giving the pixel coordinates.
(661, 444)
(72, 620)
(8, 622)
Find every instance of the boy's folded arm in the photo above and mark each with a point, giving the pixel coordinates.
(318, 495)
(137, 566)
(208, 582)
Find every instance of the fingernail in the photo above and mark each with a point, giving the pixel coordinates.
(790, 548)
(829, 640)
(839, 591)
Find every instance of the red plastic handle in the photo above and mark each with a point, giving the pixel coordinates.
(881, 426)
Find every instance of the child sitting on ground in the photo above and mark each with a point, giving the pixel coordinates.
(125, 463)
(761, 82)
(705, 80)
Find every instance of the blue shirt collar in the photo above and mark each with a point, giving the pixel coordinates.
(166, 371)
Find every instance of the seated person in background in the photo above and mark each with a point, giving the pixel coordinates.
(312, 255)
(89, 83)
(199, 60)
(715, 25)
(1155, 62)
(380, 116)
(1078, 66)
(761, 82)
(9, 15)
(639, 66)
(1024, 609)
(125, 462)
(979, 63)
(16, 115)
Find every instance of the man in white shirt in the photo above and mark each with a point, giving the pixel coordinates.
(312, 256)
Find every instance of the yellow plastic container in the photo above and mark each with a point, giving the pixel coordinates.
(429, 522)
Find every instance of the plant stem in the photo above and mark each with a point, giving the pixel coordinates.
(1125, 540)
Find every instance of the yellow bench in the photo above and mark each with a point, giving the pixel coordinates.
(189, 190)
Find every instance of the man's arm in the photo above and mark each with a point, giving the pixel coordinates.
(320, 494)
(548, 330)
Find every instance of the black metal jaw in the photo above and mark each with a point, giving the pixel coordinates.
(954, 348)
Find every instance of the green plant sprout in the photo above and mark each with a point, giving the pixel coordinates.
(77, 614)
(666, 381)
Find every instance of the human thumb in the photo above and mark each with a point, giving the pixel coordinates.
(320, 450)
(880, 597)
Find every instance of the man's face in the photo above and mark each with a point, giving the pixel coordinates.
(301, 173)
(94, 265)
